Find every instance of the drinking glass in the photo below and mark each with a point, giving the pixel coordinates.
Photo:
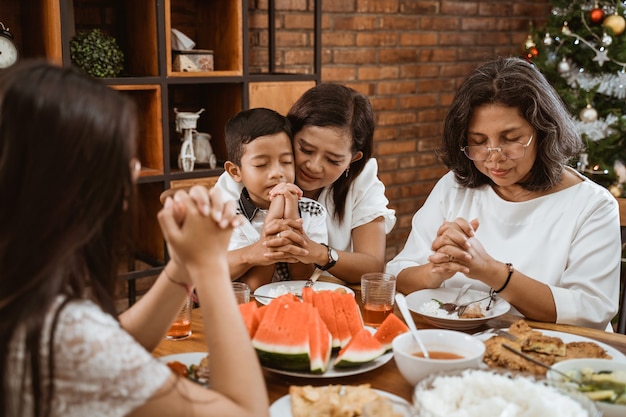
(181, 327)
(377, 293)
(242, 292)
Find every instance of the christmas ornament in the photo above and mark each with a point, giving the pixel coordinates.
(601, 56)
(616, 190)
(606, 39)
(547, 39)
(596, 15)
(616, 23)
(588, 114)
(565, 29)
(530, 43)
(564, 67)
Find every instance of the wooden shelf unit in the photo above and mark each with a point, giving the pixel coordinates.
(142, 28)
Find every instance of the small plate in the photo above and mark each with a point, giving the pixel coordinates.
(416, 300)
(276, 289)
(282, 406)
(191, 358)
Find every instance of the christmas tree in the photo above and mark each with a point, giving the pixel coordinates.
(581, 50)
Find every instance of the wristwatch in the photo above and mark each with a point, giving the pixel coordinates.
(333, 257)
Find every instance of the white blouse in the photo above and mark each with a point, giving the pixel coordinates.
(569, 240)
(99, 369)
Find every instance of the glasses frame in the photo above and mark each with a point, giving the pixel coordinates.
(497, 148)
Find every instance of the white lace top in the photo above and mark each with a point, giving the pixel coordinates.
(100, 370)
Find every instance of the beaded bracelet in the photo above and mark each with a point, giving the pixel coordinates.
(188, 288)
(508, 278)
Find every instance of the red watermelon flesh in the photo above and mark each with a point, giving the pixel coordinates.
(282, 338)
(363, 348)
(249, 314)
(322, 300)
(346, 305)
(319, 342)
(391, 327)
(343, 331)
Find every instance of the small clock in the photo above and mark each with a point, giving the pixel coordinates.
(8, 50)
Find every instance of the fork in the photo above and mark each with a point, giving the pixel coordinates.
(453, 306)
(316, 274)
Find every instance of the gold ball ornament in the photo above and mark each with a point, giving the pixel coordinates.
(616, 23)
(588, 114)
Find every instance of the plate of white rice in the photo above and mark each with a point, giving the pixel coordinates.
(495, 392)
(426, 303)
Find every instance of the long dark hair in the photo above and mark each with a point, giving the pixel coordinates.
(66, 142)
(341, 107)
(515, 83)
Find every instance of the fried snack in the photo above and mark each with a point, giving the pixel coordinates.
(496, 356)
(336, 401)
(203, 370)
(544, 344)
(546, 349)
(585, 350)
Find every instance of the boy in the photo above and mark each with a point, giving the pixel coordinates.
(260, 156)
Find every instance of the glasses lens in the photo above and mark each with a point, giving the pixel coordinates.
(514, 150)
(476, 152)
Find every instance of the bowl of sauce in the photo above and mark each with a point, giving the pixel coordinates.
(448, 350)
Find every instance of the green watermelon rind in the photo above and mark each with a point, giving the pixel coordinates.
(284, 361)
(354, 359)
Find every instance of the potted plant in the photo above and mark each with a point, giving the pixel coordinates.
(97, 54)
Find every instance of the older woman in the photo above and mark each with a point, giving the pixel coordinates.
(510, 216)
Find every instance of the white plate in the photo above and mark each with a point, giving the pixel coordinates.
(191, 358)
(416, 300)
(339, 372)
(282, 406)
(276, 289)
(566, 338)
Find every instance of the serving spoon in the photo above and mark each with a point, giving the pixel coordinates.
(454, 305)
(404, 309)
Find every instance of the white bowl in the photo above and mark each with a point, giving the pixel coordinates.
(414, 368)
(497, 392)
(416, 300)
(608, 409)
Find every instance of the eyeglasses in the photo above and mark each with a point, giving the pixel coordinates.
(510, 150)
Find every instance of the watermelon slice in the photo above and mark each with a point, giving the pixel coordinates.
(324, 303)
(391, 327)
(249, 314)
(319, 342)
(346, 305)
(282, 337)
(363, 348)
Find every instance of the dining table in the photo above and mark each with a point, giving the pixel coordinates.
(386, 377)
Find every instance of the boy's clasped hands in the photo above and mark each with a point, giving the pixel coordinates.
(283, 235)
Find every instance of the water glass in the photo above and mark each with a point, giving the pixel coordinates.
(242, 292)
(377, 293)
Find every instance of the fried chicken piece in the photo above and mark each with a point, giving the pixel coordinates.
(585, 350)
(544, 344)
(473, 311)
(522, 330)
(496, 356)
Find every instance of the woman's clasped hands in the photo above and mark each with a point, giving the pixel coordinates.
(456, 249)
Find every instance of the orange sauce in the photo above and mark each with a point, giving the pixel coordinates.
(435, 354)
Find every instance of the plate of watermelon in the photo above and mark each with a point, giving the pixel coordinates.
(266, 293)
(320, 335)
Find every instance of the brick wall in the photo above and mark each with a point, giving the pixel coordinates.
(408, 56)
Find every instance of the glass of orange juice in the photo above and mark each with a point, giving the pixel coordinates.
(181, 327)
(377, 293)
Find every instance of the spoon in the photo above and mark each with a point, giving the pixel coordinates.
(409, 321)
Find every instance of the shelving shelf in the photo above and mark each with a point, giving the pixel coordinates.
(142, 28)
